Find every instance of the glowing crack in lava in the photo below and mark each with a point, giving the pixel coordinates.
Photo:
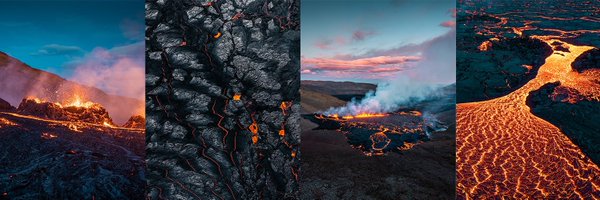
(361, 115)
(503, 150)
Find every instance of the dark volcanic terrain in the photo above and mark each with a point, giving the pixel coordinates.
(50, 159)
(223, 102)
(332, 169)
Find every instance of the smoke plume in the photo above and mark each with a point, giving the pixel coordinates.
(435, 69)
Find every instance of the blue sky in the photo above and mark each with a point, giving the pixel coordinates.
(55, 35)
(98, 43)
(341, 37)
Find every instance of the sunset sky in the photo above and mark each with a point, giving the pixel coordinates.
(371, 41)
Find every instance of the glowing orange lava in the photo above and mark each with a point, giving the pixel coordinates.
(237, 97)
(254, 129)
(503, 150)
(108, 125)
(281, 132)
(218, 35)
(5, 122)
(486, 45)
(77, 102)
(346, 117)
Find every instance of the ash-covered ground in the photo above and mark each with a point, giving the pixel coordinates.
(45, 158)
(333, 169)
(222, 99)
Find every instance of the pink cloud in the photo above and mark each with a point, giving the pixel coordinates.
(449, 24)
(371, 64)
(323, 44)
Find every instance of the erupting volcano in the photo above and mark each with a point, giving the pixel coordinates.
(67, 142)
(534, 134)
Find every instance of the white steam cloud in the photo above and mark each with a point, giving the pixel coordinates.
(424, 81)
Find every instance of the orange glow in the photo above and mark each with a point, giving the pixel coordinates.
(501, 144)
(6, 122)
(73, 127)
(281, 132)
(365, 115)
(254, 129)
(486, 45)
(217, 36)
(285, 106)
(293, 154)
(237, 97)
(347, 117)
(77, 102)
(108, 124)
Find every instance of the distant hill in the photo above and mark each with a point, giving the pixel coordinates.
(338, 88)
(313, 101)
(19, 80)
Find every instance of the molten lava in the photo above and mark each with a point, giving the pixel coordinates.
(359, 116)
(77, 102)
(282, 132)
(5, 122)
(218, 35)
(503, 150)
(254, 130)
(107, 124)
(237, 97)
(486, 45)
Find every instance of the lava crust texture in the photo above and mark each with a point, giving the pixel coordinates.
(222, 103)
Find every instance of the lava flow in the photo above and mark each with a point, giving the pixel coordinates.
(375, 134)
(503, 150)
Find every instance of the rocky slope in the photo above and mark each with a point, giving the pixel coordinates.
(18, 81)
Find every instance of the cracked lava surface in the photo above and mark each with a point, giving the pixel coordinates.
(505, 150)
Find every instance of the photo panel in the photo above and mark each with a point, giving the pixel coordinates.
(527, 92)
(378, 99)
(222, 99)
(72, 100)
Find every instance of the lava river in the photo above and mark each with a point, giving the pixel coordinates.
(503, 150)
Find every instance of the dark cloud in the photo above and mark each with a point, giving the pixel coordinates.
(361, 35)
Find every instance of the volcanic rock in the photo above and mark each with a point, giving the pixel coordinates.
(587, 60)
(49, 160)
(136, 121)
(5, 106)
(511, 63)
(95, 113)
(552, 101)
(214, 69)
